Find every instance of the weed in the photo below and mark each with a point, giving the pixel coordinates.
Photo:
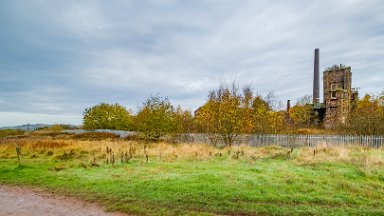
(57, 168)
(66, 156)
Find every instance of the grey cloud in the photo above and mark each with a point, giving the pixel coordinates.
(59, 57)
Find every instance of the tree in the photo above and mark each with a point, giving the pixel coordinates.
(247, 106)
(301, 113)
(275, 122)
(184, 121)
(229, 112)
(260, 113)
(107, 116)
(156, 118)
(222, 113)
(367, 117)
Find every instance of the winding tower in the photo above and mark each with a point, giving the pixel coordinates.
(337, 82)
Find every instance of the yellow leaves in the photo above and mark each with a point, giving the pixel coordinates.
(229, 113)
(156, 118)
(300, 115)
(367, 117)
(107, 116)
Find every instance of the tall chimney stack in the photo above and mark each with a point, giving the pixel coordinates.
(316, 88)
(288, 106)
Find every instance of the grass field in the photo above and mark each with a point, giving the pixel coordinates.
(198, 179)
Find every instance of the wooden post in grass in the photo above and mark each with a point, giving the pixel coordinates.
(93, 158)
(145, 148)
(18, 152)
(126, 157)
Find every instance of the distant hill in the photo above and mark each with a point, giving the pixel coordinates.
(26, 127)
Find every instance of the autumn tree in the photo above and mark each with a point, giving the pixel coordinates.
(230, 112)
(107, 116)
(276, 122)
(184, 121)
(204, 118)
(367, 117)
(156, 118)
(259, 115)
(301, 113)
(248, 111)
(222, 113)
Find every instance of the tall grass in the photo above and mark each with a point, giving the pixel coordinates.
(169, 152)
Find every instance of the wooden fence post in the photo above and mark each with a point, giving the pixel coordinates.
(18, 152)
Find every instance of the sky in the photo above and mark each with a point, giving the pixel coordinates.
(59, 57)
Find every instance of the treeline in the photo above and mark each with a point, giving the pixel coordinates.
(231, 111)
(367, 116)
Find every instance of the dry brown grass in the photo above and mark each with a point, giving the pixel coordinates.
(348, 154)
(162, 150)
(56, 148)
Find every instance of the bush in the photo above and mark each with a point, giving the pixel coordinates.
(107, 116)
(156, 118)
(10, 132)
(96, 136)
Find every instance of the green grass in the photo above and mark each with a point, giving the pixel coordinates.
(214, 186)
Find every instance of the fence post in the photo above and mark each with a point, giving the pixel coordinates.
(18, 152)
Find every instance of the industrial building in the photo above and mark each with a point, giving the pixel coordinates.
(338, 95)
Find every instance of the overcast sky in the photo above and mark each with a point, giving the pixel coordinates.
(59, 57)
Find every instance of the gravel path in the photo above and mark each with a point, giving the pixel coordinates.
(23, 201)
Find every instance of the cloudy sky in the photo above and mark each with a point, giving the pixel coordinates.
(59, 57)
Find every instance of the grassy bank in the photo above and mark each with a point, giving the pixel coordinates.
(10, 132)
(166, 179)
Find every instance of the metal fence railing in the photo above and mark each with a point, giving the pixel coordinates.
(286, 140)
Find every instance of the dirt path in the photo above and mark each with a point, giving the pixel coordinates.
(22, 201)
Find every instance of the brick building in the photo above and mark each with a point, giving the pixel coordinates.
(339, 96)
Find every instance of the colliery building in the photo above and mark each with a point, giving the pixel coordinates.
(338, 95)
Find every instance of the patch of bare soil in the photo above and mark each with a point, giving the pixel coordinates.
(23, 201)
